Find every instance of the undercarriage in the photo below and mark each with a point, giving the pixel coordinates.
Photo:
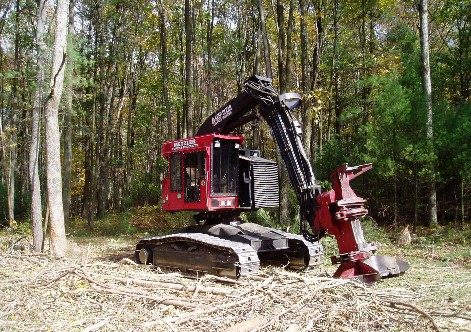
(228, 250)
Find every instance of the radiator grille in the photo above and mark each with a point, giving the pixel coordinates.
(265, 183)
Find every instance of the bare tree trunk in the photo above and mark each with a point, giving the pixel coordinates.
(2, 142)
(289, 46)
(188, 67)
(306, 109)
(11, 176)
(36, 202)
(416, 202)
(209, 42)
(12, 151)
(318, 47)
(130, 138)
(316, 126)
(283, 215)
(256, 44)
(395, 205)
(266, 44)
(463, 217)
(68, 123)
(3, 150)
(281, 45)
(335, 73)
(53, 162)
(427, 89)
(88, 208)
(244, 34)
(163, 60)
(180, 112)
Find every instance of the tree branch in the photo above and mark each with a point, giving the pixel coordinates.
(53, 87)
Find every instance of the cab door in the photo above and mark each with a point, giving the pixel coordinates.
(194, 176)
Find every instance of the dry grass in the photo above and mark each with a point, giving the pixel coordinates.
(98, 288)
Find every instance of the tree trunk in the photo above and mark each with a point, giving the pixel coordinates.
(68, 122)
(283, 215)
(256, 43)
(243, 34)
(463, 217)
(266, 44)
(281, 45)
(395, 205)
(88, 209)
(3, 151)
(15, 109)
(335, 74)
(289, 46)
(416, 202)
(209, 43)
(11, 175)
(2, 107)
(102, 150)
(188, 67)
(130, 138)
(36, 204)
(315, 140)
(318, 47)
(53, 162)
(427, 90)
(363, 71)
(163, 60)
(306, 109)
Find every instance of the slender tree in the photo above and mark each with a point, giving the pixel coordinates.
(15, 110)
(35, 183)
(53, 161)
(266, 43)
(335, 80)
(427, 90)
(68, 120)
(306, 111)
(316, 139)
(3, 150)
(283, 213)
(209, 45)
(164, 66)
(289, 45)
(188, 69)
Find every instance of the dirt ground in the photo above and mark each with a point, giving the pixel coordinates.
(99, 288)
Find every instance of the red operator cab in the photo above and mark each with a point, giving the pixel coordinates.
(202, 173)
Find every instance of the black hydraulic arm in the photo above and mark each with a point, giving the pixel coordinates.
(275, 109)
(235, 113)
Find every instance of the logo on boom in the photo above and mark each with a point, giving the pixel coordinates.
(222, 115)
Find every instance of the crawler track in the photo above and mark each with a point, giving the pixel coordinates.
(233, 252)
(199, 252)
(301, 253)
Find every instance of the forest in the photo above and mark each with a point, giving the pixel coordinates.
(137, 73)
(91, 89)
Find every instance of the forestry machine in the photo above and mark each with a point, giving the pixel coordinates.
(214, 176)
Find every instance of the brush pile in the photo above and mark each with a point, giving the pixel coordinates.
(88, 294)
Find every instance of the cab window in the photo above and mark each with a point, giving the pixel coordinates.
(224, 168)
(175, 172)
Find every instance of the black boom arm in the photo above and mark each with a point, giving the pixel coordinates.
(275, 110)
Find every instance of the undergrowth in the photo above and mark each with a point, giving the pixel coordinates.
(446, 244)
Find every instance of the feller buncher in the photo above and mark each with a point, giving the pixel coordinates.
(214, 176)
